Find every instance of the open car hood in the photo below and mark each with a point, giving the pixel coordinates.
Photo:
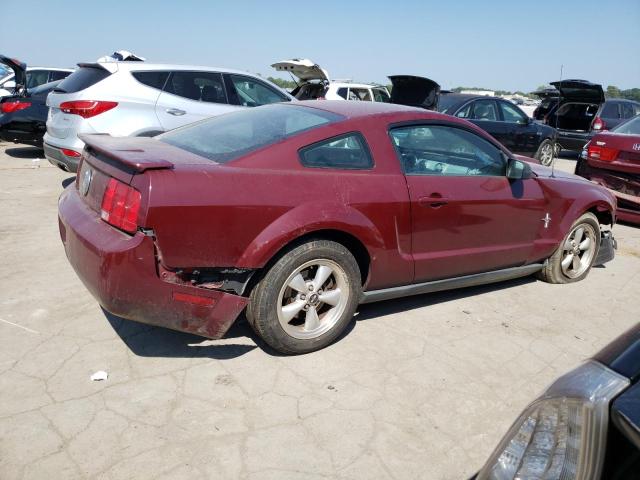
(304, 69)
(579, 91)
(415, 91)
(19, 70)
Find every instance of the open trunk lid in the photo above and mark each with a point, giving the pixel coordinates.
(20, 73)
(579, 91)
(304, 69)
(415, 91)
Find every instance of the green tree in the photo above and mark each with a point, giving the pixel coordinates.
(612, 92)
(282, 83)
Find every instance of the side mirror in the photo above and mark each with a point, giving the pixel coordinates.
(518, 170)
(10, 85)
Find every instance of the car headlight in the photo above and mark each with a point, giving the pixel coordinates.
(562, 434)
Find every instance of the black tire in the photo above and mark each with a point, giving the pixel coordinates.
(544, 149)
(553, 272)
(265, 302)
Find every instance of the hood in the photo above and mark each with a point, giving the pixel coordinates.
(304, 69)
(580, 91)
(415, 91)
(19, 70)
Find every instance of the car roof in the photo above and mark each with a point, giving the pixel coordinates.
(129, 65)
(354, 109)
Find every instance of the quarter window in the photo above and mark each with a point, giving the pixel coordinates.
(343, 92)
(381, 95)
(346, 152)
(200, 86)
(153, 79)
(446, 151)
(485, 110)
(253, 93)
(511, 113)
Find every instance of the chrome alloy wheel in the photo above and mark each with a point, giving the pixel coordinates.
(578, 250)
(313, 299)
(546, 154)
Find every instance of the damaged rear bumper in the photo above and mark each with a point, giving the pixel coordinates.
(120, 272)
(607, 250)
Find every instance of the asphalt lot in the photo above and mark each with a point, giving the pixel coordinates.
(419, 388)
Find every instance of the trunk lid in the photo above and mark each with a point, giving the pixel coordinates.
(415, 91)
(304, 69)
(125, 159)
(19, 71)
(579, 91)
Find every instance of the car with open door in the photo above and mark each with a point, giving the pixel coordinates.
(612, 159)
(19, 76)
(23, 118)
(583, 111)
(300, 211)
(314, 83)
(415, 91)
(505, 121)
(135, 98)
(549, 98)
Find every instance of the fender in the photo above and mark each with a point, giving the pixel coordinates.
(604, 202)
(295, 223)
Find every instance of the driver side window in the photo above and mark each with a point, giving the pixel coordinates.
(446, 151)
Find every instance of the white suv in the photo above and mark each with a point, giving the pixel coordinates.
(317, 84)
(132, 98)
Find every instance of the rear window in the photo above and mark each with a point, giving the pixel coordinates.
(227, 137)
(445, 102)
(82, 78)
(610, 110)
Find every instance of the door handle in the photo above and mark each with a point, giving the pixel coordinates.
(434, 200)
(175, 111)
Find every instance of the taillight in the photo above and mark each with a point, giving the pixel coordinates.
(120, 206)
(70, 153)
(599, 124)
(87, 108)
(604, 154)
(9, 107)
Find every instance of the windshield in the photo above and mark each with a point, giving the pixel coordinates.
(227, 137)
(631, 127)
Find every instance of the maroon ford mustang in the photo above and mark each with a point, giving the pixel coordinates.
(300, 212)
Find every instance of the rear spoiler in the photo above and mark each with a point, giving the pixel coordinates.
(134, 153)
(111, 67)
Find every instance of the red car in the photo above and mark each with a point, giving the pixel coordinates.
(612, 159)
(300, 212)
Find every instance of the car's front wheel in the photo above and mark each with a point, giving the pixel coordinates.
(307, 298)
(545, 153)
(574, 257)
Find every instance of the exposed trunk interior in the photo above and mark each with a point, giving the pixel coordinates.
(576, 116)
(309, 91)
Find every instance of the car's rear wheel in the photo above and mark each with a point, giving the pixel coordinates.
(545, 153)
(307, 298)
(574, 257)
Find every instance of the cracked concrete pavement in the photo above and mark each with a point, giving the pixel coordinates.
(422, 387)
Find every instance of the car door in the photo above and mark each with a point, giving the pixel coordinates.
(521, 134)
(467, 217)
(484, 113)
(189, 96)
